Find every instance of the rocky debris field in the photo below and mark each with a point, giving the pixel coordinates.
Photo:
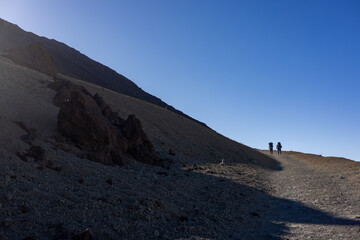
(62, 195)
(57, 181)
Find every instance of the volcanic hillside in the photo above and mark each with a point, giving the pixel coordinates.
(82, 161)
(51, 189)
(72, 63)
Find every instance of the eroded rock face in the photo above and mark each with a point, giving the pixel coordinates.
(80, 119)
(92, 126)
(138, 145)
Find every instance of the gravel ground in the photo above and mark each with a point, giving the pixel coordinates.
(322, 197)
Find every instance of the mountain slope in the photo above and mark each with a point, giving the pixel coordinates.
(60, 193)
(34, 56)
(72, 63)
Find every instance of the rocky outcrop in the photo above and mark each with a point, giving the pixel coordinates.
(33, 56)
(138, 145)
(91, 125)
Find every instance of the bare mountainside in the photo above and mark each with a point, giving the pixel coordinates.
(71, 62)
(50, 190)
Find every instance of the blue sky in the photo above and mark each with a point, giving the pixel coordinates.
(255, 71)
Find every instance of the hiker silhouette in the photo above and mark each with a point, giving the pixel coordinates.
(271, 145)
(278, 147)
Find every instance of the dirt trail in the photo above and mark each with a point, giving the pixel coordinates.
(316, 203)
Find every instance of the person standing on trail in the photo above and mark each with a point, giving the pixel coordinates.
(278, 147)
(271, 147)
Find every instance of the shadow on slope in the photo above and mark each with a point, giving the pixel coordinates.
(218, 208)
(152, 203)
(266, 214)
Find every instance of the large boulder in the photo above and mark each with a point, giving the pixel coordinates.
(80, 120)
(91, 125)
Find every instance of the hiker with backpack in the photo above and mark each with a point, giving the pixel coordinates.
(278, 147)
(271, 147)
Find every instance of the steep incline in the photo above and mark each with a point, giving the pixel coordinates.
(71, 62)
(59, 193)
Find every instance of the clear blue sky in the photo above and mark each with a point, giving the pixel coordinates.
(255, 71)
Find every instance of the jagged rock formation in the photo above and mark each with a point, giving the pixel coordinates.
(33, 56)
(92, 126)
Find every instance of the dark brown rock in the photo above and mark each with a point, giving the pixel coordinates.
(92, 126)
(138, 145)
(81, 120)
(112, 116)
(64, 89)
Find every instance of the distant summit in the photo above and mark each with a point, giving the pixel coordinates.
(19, 44)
